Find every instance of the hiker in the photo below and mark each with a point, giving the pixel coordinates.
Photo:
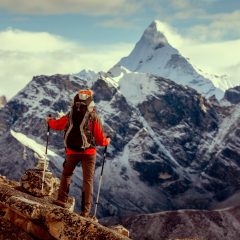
(83, 131)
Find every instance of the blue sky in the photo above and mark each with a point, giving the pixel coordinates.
(65, 36)
(90, 26)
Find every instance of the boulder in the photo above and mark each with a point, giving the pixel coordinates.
(233, 95)
(32, 181)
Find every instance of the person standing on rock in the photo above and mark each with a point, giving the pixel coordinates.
(83, 131)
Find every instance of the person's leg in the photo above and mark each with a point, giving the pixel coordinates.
(88, 166)
(68, 167)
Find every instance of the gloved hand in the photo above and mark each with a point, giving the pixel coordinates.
(48, 118)
(108, 139)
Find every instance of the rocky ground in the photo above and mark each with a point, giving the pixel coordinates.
(25, 217)
(186, 224)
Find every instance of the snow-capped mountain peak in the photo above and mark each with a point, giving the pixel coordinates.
(153, 54)
(153, 35)
(150, 52)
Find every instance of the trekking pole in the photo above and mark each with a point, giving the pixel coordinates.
(45, 159)
(100, 181)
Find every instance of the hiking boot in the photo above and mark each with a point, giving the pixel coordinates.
(89, 217)
(94, 218)
(62, 204)
(84, 214)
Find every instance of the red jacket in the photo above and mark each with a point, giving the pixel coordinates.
(100, 139)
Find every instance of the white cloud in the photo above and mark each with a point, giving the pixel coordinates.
(202, 23)
(119, 23)
(220, 26)
(175, 10)
(93, 7)
(173, 37)
(25, 54)
(17, 40)
(189, 5)
(188, 14)
(234, 71)
(181, 4)
(212, 57)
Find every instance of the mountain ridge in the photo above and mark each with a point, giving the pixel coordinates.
(186, 224)
(156, 149)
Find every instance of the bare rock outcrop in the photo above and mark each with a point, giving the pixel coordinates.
(31, 181)
(233, 95)
(40, 181)
(38, 218)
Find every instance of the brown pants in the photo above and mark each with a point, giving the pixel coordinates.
(88, 168)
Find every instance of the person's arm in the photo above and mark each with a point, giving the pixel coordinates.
(99, 135)
(58, 124)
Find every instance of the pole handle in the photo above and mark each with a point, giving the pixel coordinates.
(48, 129)
(105, 151)
(48, 133)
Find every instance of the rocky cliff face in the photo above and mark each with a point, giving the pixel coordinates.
(233, 95)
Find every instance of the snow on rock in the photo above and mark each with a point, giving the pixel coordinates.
(153, 54)
(228, 123)
(137, 87)
(222, 82)
(87, 75)
(118, 71)
(39, 149)
(32, 144)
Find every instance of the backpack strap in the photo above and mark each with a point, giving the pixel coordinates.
(68, 128)
(92, 117)
(81, 127)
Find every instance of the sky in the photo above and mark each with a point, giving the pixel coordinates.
(67, 36)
